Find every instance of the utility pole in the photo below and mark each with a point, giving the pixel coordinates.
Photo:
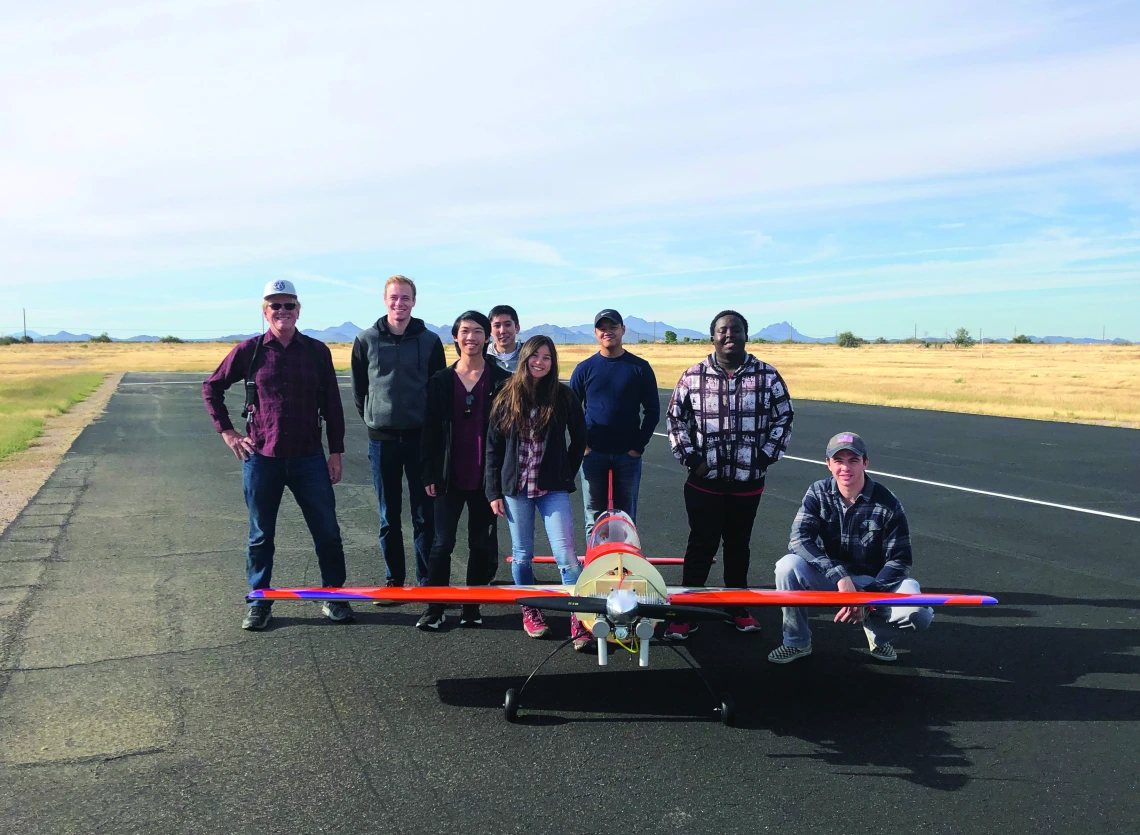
(25, 312)
(1102, 332)
(916, 331)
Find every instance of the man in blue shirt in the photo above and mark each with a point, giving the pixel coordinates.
(850, 534)
(619, 393)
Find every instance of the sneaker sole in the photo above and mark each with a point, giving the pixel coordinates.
(802, 654)
(433, 626)
(885, 659)
(747, 628)
(538, 633)
(478, 622)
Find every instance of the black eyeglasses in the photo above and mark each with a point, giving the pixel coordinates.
(279, 305)
(468, 401)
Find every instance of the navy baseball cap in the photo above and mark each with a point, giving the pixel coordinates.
(611, 314)
(846, 440)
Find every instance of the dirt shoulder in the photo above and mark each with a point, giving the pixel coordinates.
(24, 473)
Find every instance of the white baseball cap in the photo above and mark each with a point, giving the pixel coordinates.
(279, 287)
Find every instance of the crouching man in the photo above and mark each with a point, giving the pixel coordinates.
(850, 534)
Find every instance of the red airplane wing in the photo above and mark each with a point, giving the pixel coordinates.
(681, 596)
(416, 594)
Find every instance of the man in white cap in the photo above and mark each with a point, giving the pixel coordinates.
(290, 389)
(850, 534)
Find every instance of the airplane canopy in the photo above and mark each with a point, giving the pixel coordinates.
(614, 526)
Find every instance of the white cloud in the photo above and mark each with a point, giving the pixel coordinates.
(146, 135)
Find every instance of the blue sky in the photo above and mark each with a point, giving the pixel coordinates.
(872, 167)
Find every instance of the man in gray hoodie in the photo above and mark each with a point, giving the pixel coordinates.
(392, 362)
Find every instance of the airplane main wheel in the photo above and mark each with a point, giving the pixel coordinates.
(511, 705)
(727, 710)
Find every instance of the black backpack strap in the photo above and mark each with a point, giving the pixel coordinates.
(251, 401)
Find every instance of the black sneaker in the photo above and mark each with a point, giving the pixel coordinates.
(391, 584)
(471, 616)
(337, 611)
(257, 618)
(433, 618)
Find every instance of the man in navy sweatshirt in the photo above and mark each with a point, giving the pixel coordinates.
(619, 393)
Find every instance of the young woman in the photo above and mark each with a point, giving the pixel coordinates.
(531, 467)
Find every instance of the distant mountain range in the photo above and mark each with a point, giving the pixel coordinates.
(636, 330)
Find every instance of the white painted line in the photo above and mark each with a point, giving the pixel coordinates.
(973, 490)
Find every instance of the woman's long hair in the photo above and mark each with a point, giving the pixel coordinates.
(522, 394)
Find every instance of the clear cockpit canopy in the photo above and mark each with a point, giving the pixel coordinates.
(614, 526)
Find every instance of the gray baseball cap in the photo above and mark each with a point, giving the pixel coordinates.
(846, 440)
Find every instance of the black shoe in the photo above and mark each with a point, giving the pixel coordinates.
(257, 618)
(337, 611)
(391, 584)
(433, 618)
(471, 616)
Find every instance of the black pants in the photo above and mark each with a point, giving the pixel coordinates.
(482, 538)
(713, 517)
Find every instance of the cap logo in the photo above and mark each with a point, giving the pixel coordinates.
(278, 285)
(845, 439)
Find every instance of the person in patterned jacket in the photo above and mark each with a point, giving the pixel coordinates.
(729, 418)
(850, 534)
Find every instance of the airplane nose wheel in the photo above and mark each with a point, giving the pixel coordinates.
(727, 710)
(511, 705)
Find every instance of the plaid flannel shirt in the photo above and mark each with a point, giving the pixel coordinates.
(871, 537)
(737, 424)
(531, 449)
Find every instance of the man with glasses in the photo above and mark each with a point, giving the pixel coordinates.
(452, 456)
(392, 362)
(619, 393)
(290, 386)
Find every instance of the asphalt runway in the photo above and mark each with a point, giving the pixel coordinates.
(131, 701)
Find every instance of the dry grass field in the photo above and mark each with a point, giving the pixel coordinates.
(1093, 383)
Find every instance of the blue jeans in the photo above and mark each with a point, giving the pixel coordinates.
(886, 623)
(559, 521)
(596, 484)
(392, 461)
(264, 480)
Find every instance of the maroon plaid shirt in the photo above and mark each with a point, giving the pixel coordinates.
(285, 424)
(531, 449)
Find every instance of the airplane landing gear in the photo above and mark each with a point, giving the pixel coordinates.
(511, 705)
(727, 710)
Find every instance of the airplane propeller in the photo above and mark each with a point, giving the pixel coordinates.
(597, 606)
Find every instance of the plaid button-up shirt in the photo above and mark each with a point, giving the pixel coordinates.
(736, 424)
(531, 449)
(285, 423)
(871, 537)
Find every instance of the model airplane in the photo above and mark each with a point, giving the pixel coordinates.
(620, 597)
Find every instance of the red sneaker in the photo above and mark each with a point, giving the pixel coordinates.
(583, 640)
(677, 631)
(746, 623)
(533, 622)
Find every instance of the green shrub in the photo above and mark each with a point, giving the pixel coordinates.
(848, 340)
(670, 337)
(100, 338)
(962, 338)
(882, 340)
(173, 339)
(1021, 339)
